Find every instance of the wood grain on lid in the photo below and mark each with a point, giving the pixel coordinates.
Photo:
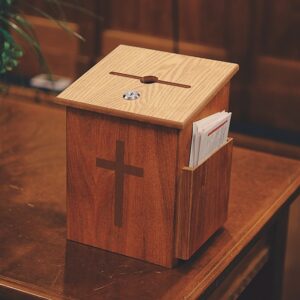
(164, 104)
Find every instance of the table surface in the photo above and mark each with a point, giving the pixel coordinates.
(35, 256)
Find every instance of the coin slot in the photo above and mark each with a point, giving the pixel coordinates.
(149, 79)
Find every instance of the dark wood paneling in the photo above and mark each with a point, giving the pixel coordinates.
(143, 16)
(202, 22)
(240, 31)
(56, 45)
(88, 26)
(281, 29)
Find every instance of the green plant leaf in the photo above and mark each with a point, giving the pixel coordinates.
(12, 18)
(59, 8)
(61, 24)
(30, 40)
(23, 23)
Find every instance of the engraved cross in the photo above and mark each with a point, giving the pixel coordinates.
(120, 169)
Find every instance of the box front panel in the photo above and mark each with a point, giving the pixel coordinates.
(121, 185)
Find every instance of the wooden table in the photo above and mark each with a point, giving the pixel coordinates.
(36, 259)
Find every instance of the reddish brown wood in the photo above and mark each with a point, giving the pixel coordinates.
(100, 200)
(120, 169)
(34, 255)
(145, 230)
(117, 213)
(238, 280)
(203, 201)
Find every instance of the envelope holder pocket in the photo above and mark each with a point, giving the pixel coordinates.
(203, 201)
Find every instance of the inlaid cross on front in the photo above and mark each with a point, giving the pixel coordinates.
(120, 169)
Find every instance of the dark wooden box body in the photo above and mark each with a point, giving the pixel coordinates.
(129, 190)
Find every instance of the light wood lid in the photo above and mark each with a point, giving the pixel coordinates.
(163, 104)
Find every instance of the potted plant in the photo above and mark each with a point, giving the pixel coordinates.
(12, 19)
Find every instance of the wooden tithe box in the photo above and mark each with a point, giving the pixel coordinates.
(129, 188)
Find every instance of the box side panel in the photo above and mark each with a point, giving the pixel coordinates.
(121, 185)
(184, 212)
